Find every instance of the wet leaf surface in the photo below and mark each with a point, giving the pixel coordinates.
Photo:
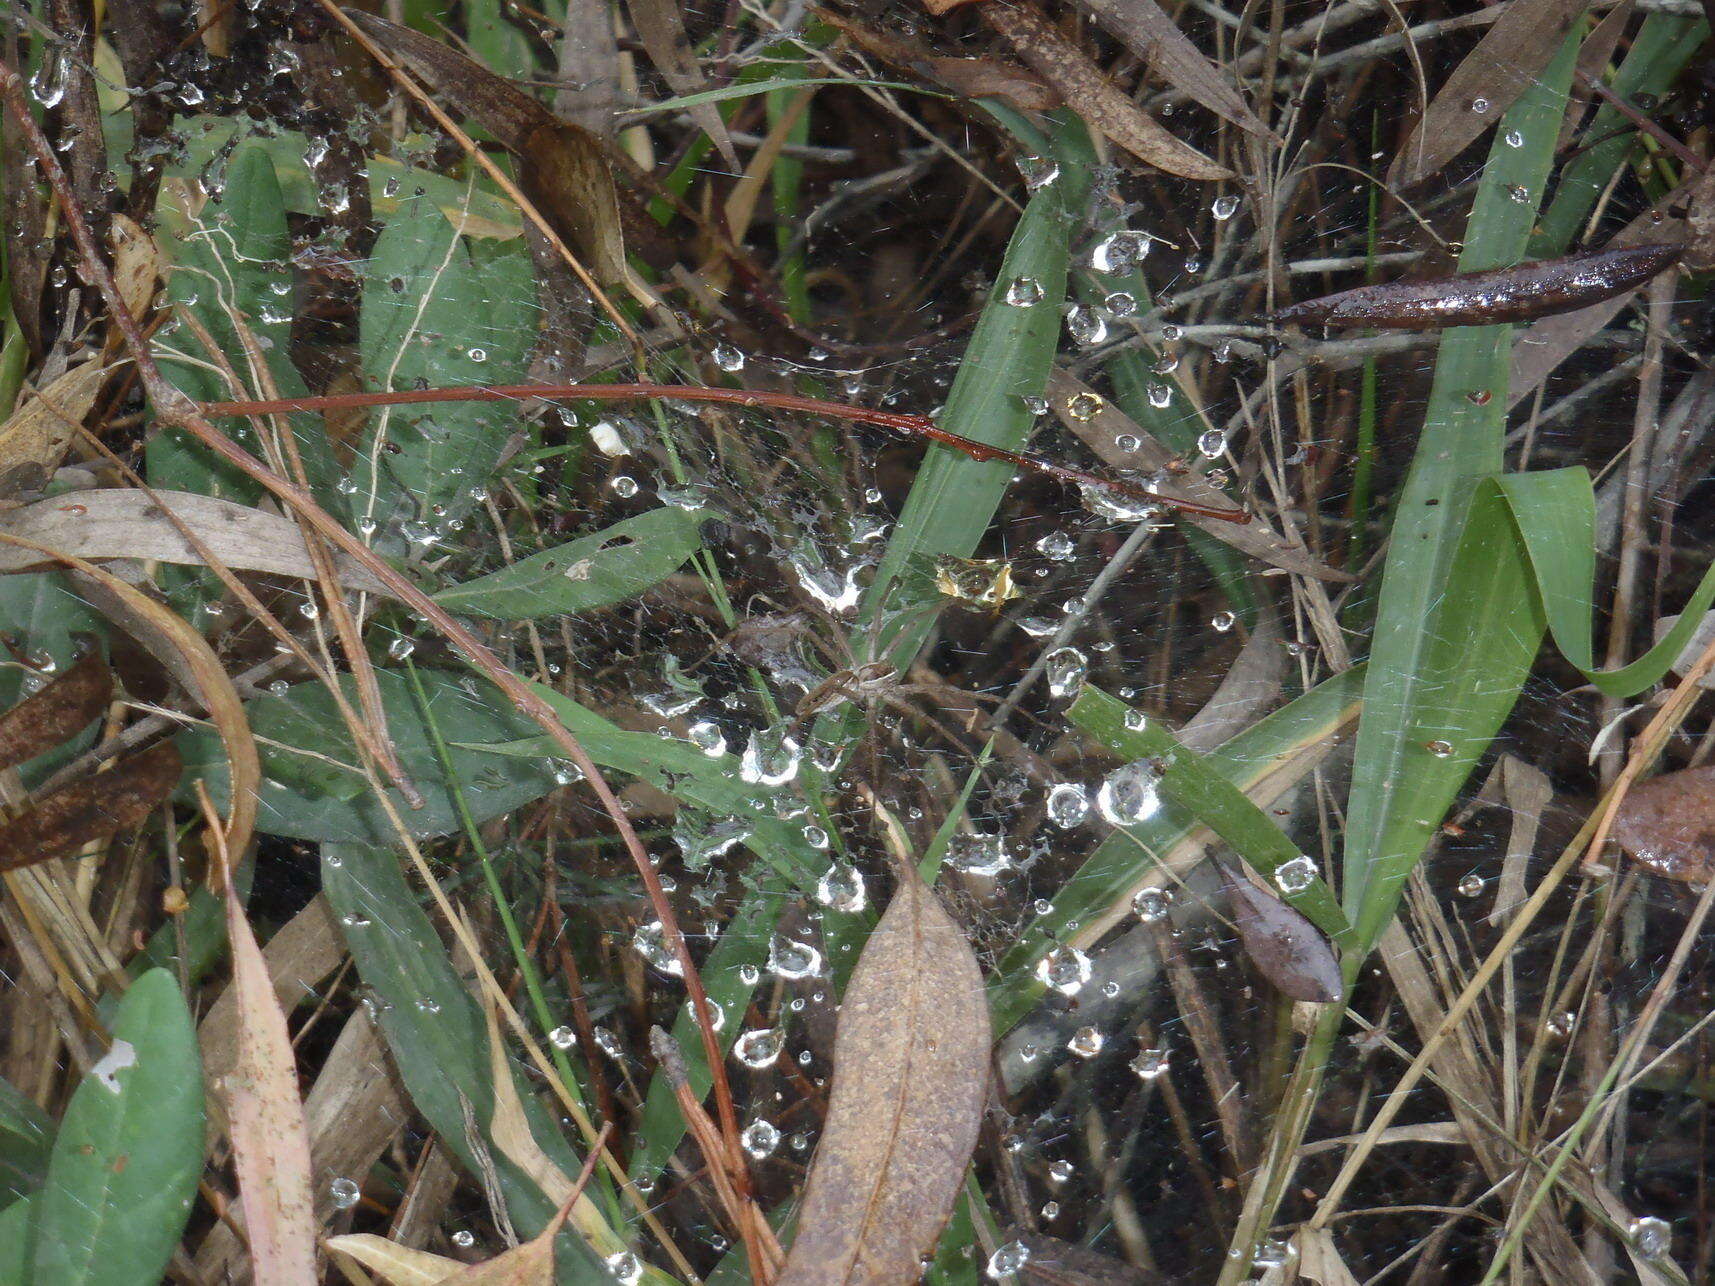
(1667, 824)
(1540, 288)
(63, 708)
(63, 820)
(910, 1081)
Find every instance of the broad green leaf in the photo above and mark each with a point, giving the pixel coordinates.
(15, 1221)
(439, 1039)
(594, 571)
(1120, 862)
(1192, 782)
(26, 1134)
(438, 311)
(1402, 780)
(128, 1153)
(313, 789)
(1009, 357)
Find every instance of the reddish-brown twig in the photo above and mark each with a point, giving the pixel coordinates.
(918, 427)
(176, 409)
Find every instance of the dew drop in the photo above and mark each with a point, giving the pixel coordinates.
(1086, 1042)
(1471, 885)
(1065, 669)
(1084, 407)
(1023, 292)
(1295, 875)
(759, 1047)
(1150, 1064)
(979, 853)
(562, 1038)
(1224, 207)
(1065, 970)
(1068, 805)
(1129, 794)
(1212, 443)
(792, 960)
(344, 1193)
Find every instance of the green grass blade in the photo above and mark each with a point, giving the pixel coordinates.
(597, 570)
(26, 1135)
(1400, 786)
(1246, 761)
(128, 1153)
(1011, 352)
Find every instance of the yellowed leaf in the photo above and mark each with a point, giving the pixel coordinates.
(395, 1264)
(910, 1081)
(136, 264)
(34, 440)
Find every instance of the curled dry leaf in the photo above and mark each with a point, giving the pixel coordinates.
(63, 708)
(394, 1264)
(34, 439)
(1285, 947)
(1503, 65)
(1094, 96)
(1528, 290)
(136, 264)
(563, 169)
(1144, 28)
(61, 821)
(118, 522)
(1667, 824)
(910, 1081)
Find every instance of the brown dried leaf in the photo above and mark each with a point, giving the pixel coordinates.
(61, 821)
(910, 1081)
(563, 169)
(660, 26)
(1090, 93)
(1667, 824)
(270, 1141)
(39, 723)
(119, 522)
(1142, 27)
(136, 264)
(968, 77)
(34, 439)
(1100, 424)
(1503, 65)
(1285, 947)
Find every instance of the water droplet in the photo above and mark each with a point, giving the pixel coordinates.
(48, 85)
(759, 1047)
(1065, 668)
(1086, 1042)
(1221, 622)
(1479, 105)
(979, 853)
(1119, 252)
(1518, 192)
(1129, 794)
(1085, 325)
(464, 1239)
(1127, 442)
(1512, 138)
(1065, 969)
(1121, 303)
(1471, 885)
(627, 1268)
(1160, 395)
(1038, 171)
(727, 357)
(1035, 405)
(1212, 444)
(1295, 875)
(841, 888)
(624, 486)
(1061, 1171)
(650, 941)
(1224, 207)
(562, 1038)
(1056, 546)
(479, 354)
(1068, 805)
(1273, 1253)
(1440, 749)
(760, 1138)
(792, 960)
(1479, 397)
(344, 1193)
(771, 758)
(1151, 905)
(702, 839)
(1150, 1063)
(401, 647)
(706, 736)
(1084, 406)
(1651, 1235)
(1023, 292)
(1007, 1260)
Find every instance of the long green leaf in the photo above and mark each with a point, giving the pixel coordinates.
(594, 571)
(26, 1135)
(129, 1150)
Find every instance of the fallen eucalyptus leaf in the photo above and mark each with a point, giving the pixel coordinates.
(35, 437)
(61, 821)
(1285, 947)
(660, 26)
(910, 1081)
(59, 711)
(1143, 27)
